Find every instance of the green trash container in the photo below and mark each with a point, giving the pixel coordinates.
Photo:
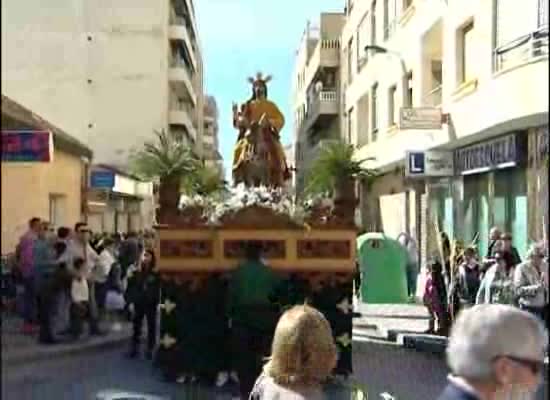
(383, 262)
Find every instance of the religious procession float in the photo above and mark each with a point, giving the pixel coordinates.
(201, 241)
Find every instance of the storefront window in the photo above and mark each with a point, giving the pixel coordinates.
(441, 205)
(476, 211)
(510, 205)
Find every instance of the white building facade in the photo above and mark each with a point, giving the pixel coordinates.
(481, 64)
(110, 72)
(477, 68)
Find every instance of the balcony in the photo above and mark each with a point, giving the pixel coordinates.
(182, 117)
(181, 79)
(179, 30)
(522, 50)
(326, 54)
(324, 107)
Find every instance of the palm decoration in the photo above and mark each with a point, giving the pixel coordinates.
(205, 181)
(168, 159)
(335, 171)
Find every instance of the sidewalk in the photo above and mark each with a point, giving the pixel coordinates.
(18, 348)
(402, 324)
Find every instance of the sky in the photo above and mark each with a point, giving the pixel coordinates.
(240, 38)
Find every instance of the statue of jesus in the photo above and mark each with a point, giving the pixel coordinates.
(259, 122)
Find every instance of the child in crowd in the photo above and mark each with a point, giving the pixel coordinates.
(435, 299)
(79, 298)
(302, 358)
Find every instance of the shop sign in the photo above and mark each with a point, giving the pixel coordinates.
(27, 146)
(429, 163)
(493, 154)
(102, 179)
(420, 118)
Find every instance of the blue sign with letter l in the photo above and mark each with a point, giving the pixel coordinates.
(417, 163)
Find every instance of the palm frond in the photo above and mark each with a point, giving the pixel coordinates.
(336, 162)
(167, 156)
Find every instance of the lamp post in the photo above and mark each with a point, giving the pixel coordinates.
(404, 73)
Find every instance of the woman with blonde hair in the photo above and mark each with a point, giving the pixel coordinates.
(302, 358)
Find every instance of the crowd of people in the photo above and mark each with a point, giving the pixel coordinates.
(71, 276)
(497, 341)
(501, 277)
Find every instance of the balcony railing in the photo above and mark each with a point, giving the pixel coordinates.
(433, 98)
(324, 102)
(328, 96)
(522, 49)
(330, 43)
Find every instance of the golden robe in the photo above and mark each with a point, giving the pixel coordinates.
(254, 111)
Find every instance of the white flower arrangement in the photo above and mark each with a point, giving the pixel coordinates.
(193, 201)
(319, 200)
(241, 196)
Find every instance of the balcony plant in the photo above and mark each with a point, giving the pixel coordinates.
(166, 160)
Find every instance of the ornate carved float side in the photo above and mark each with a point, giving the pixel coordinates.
(287, 245)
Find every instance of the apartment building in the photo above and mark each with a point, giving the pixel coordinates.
(211, 144)
(475, 70)
(316, 92)
(111, 73)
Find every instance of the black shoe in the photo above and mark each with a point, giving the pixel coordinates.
(97, 332)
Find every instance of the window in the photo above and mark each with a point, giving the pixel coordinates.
(392, 106)
(56, 210)
(374, 111)
(362, 41)
(350, 125)
(542, 15)
(362, 118)
(390, 17)
(410, 93)
(350, 60)
(515, 38)
(386, 19)
(373, 23)
(466, 53)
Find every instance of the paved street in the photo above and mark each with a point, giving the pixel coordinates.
(381, 367)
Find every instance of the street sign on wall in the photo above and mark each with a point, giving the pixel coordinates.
(422, 164)
(420, 118)
(27, 146)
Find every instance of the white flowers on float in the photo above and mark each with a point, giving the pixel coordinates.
(240, 197)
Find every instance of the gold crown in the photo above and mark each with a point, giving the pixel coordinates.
(259, 79)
